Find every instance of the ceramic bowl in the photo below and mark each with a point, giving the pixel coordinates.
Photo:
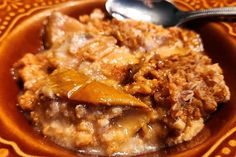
(18, 138)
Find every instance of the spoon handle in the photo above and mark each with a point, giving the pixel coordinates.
(222, 12)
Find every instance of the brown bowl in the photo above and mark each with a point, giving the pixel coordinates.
(17, 138)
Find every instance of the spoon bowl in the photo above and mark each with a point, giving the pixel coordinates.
(160, 12)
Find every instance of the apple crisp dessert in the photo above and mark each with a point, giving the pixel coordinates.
(110, 87)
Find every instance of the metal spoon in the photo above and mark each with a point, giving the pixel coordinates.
(161, 12)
